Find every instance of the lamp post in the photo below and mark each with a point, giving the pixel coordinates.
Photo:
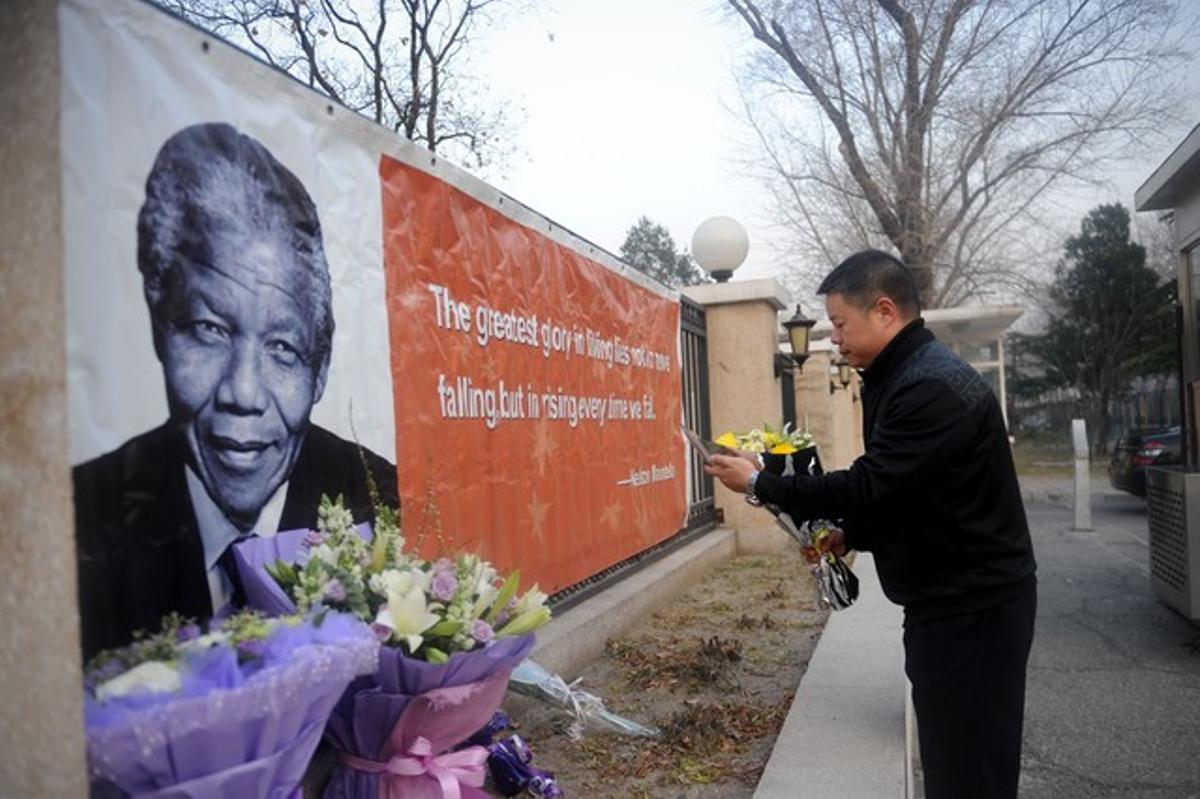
(798, 329)
(720, 245)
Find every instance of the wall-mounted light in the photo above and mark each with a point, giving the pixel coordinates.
(798, 329)
(843, 376)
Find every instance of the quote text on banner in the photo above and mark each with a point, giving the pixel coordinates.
(537, 393)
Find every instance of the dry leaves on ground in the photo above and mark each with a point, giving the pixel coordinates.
(715, 670)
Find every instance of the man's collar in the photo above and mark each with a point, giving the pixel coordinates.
(911, 336)
(216, 531)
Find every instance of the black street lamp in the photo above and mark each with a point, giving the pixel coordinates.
(798, 329)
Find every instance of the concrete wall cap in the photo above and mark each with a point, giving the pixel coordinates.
(767, 290)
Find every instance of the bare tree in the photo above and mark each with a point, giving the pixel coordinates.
(943, 126)
(398, 62)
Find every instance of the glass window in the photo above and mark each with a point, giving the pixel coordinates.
(991, 376)
(978, 352)
(1193, 289)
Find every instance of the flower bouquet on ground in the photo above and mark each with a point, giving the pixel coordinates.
(584, 709)
(452, 632)
(235, 711)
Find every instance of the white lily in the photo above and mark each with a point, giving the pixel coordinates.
(486, 597)
(407, 613)
(530, 600)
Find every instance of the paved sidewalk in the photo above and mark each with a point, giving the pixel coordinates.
(1113, 705)
(844, 734)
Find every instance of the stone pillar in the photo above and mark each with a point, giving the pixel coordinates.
(743, 336)
(833, 417)
(41, 717)
(847, 413)
(814, 404)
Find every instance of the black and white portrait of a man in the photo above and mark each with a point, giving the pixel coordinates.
(235, 278)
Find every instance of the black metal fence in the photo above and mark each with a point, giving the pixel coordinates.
(693, 334)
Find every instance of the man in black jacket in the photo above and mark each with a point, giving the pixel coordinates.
(935, 499)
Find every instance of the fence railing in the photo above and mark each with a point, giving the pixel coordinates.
(693, 336)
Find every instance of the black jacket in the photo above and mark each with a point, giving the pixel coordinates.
(935, 496)
(138, 545)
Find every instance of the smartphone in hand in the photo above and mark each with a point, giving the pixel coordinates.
(704, 448)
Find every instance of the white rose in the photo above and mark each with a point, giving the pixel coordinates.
(394, 581)
(205, 641)
(153, 677)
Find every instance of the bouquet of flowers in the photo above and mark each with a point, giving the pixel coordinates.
(776, 447)
(837, 585)
(234, 711)
(784, 441)
(584, 709)
(452, 631)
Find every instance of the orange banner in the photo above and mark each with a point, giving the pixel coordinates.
(537, 393)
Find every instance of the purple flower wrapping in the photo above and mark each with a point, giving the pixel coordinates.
(230, 731)
(252, 557)
(380, 717)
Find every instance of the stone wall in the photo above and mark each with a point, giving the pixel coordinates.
(41, 718)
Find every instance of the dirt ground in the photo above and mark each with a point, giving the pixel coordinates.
(715, 670)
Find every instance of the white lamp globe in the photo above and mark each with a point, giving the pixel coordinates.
(720, 245)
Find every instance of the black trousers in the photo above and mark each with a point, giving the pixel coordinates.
(968, 684)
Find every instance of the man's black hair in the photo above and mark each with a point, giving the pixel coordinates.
(868, 275)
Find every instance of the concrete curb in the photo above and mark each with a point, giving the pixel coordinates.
(576, 638)
(845, 734)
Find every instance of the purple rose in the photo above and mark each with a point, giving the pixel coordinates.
(382, 632)
(187, 632)
(503, 616)
(251, 650)
(314, 538)
(481, 631)
(444, 586)
(335, 591)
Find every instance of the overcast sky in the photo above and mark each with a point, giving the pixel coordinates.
(626, 114)
(630, 109)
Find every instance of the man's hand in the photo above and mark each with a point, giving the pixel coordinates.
(753, 458)
(732, 470)
(831, 541)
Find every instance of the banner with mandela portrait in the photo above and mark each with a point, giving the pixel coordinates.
(271, 299)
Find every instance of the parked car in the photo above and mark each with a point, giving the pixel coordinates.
(1134, 452)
